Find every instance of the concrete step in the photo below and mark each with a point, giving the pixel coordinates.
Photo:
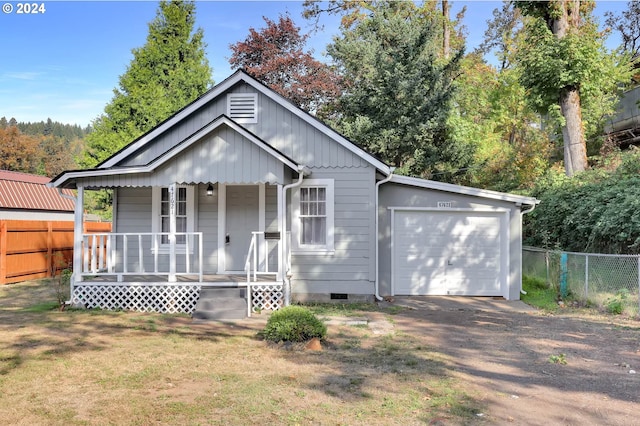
(221, 304)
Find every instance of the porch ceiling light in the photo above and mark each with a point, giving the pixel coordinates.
(210, 190)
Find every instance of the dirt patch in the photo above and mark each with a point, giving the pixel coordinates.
(535, 369)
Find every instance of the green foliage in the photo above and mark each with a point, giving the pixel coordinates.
(399, 90)
(557, 62)
(615, 304)
(492, 113)
(167, 73)
(539, 294)
(558, 359)
(293, 324)
(597, 211)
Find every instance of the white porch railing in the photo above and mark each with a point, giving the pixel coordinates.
(145, 253)
(261, 253)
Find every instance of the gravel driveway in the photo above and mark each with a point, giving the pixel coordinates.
(505, 351)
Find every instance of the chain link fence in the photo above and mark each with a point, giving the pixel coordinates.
(606, 280)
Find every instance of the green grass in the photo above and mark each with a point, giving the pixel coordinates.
(341, 309)
(539, 294)
(43, 307)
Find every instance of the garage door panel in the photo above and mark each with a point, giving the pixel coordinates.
(439, 253)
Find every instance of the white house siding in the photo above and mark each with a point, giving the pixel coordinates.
(396, 195)
(351, 268)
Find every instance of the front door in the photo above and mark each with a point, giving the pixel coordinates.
(242, 220)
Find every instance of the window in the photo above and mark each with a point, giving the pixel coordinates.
(181, 214)
(243, 107)
(313, 216)
(185, 212)
(312, 225)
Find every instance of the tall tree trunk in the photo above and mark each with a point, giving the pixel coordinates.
(446, 31)
(575, 151)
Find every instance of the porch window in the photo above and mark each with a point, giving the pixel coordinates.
(185, 213)
(313, 210)
(181, 214)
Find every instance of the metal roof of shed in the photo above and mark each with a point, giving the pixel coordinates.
(29, 192)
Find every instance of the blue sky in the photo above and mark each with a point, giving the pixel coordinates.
(64, 63)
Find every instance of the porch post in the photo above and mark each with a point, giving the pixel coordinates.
(283, 233)
(172, 232)
(78, 229)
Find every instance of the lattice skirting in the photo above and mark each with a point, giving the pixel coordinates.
(144, 298)
(266, 297)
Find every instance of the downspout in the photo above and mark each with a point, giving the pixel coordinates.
(287, 283)
(377, 265)
(522, 213)
(67, 196)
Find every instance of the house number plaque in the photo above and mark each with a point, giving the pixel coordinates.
(445, 204)
(172, 199)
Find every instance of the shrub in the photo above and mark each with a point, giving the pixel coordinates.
(615, 304)
(293, 324)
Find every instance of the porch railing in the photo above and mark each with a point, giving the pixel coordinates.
(145, 253)
(262, 252)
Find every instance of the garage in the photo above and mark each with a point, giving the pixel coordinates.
(439, 239)
(449, 252)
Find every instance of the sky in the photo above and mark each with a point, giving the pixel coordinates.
(64, 62)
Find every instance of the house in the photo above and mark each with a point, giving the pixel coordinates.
(25, 196)
(241, 189)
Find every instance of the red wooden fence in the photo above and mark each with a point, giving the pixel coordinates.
(31, 249)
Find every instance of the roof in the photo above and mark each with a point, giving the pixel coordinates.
(228, 83)
(465, 190)
(30, 192)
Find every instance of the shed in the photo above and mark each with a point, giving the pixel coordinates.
(25, 196)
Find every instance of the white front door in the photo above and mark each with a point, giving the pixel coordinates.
(242, 218)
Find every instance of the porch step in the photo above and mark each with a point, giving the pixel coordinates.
(221, 304)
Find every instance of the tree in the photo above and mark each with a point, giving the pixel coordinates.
(501, 32)
(399, 89)
(166, 74)
(275, 55)
(57, 155)
(18, 152)
(564, 61)
(628, 25)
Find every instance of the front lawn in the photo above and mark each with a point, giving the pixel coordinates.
(101, 367)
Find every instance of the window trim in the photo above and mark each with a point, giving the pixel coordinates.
(156, 222)
(296, 226)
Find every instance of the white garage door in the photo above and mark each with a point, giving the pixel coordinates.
(447, 253)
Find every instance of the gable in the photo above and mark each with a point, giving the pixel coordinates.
(279, 123)
(222, 151)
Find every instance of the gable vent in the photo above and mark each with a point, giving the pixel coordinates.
(243, 107)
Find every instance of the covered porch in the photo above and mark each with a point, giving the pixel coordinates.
(209, 210)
